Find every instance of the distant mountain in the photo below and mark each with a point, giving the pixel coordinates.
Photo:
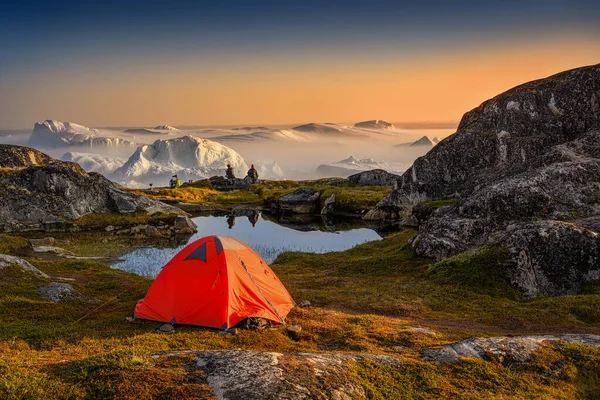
(268, 134)
(52, 134)
(165, 128)
(188, 157)
(250, 128)
(349, 166)
(375, 124)
(94, 162)
(423, 142)
(157, 130)
(144, 131)
(317, 128)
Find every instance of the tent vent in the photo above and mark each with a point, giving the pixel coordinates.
(199, 253)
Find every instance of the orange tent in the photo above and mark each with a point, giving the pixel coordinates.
(216, 281)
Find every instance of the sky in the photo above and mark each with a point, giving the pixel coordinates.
(193, 63)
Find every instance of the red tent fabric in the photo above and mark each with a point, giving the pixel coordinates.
(216, 281)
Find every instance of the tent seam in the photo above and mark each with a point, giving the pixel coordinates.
(259, 289)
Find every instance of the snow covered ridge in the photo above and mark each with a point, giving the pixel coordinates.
(188, 157)
(262, 135)
(52, 134)
(58, 127)
(352, 165)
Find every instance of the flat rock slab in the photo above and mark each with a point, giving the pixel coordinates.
(53, 250)
(375, 177)
(252, 375)
(6, 261)
(418, 330)
(513, 350)
(301, 201)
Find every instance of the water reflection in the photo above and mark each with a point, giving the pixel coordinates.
(265, 236)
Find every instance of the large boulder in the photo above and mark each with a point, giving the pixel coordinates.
(255, 375)
(44, 197)
(57, 291)
(301, 201)
(375, 177)
(522, 164)
(329, 205)
(508, 134)
(397, 205)
(551, 257)
(185, 226)
(225, 185)
(505, 134)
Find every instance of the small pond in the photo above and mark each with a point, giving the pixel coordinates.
(265, 236)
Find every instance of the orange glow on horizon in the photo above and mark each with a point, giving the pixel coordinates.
(439, 87)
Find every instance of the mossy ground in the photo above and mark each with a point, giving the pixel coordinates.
(361, 298)
(350, 197)
(121, 219)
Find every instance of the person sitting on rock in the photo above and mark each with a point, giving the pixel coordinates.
(253, 174)
(229, 173)
(175, 182)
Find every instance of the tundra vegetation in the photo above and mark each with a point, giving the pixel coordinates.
(364, 300)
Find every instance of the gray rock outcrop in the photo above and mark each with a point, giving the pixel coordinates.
(259, 375)
(21, 157)
(301, 201)
(328, 205)
(225, 185)
(57, 291)
(46, 196)
(523, 163)
(185, 226)
(375, 177)
(507, 350)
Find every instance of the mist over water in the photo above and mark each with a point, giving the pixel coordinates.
(297, 153)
